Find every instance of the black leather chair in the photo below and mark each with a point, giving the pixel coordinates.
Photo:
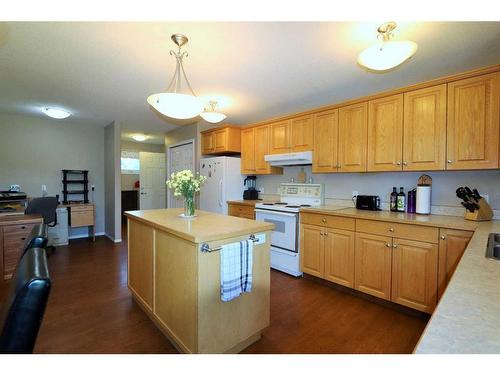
(38, 237)
(45, 206)
(25, 305)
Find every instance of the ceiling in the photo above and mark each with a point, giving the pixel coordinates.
(103, 72)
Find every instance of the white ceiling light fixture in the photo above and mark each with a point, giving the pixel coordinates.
(139, 137)
(387, 54)
(56, 113)
(180, 101)
(211, 115)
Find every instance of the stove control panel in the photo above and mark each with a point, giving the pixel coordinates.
(305, 193)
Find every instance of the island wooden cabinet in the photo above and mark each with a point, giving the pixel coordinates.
(352, 139)
(254, 146)
(373, 265)
(414, 274)
(473, 122)
(221, 140)
(325, 149)
(385, 134)
(424, 146)
(452, 244)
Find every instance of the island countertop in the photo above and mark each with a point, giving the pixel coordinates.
(205, 227)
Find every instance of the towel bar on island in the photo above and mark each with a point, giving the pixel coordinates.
(205, 248)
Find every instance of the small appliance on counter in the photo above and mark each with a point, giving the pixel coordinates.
(368, 202)
(424, 187)
(250, 193)
(476, 207)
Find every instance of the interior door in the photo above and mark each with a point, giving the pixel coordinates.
(152, 180)
(146, 180)
(180, 157)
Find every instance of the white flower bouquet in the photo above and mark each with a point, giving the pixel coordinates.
(186, 184)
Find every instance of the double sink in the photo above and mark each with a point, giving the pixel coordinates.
(493, 250)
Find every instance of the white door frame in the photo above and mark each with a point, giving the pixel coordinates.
(169, 154)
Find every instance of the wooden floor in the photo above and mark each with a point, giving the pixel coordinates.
(90, 310)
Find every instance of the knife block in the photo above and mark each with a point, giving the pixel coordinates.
(484, 213)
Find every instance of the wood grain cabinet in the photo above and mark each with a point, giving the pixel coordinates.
(339, 256)
(473, 123)
(241, 210)
(312, 250)
(424, 146)
(414, 274)
(325, 148)
(452, 244)
(353, 132)
(255, 145)
(279, 137)
(301, 134)
(385, 134)
(224, 140)
(373, 265)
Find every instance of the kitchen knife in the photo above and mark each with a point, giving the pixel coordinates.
(477, 196)
(462, 194)
(469, 193)
(469, 206)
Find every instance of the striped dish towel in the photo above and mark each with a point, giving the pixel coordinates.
(236, 263)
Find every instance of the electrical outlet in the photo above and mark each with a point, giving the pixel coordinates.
(92, 187)
(44, 187)
(261, 190)
(354, 193)
(486, 197)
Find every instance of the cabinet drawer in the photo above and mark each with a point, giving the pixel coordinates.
(337, 222)
(17, 229)
(407, 231)
(241, 210)
(82, 218)
(82, 208)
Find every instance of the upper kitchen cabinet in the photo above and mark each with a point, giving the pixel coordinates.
(353, 129)
(280, 137)
(254, 146)
(248, 151)
(424, 145)
(473, 123)
(224, 140)
(301, 134)
(325, 155)
(385, 133)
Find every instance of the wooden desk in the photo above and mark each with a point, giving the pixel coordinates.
(81, 215)
(14, 229)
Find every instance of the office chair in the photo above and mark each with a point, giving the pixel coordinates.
(45, 206)
(25, 304)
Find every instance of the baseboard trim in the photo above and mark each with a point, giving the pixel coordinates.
(115, 240)
(76, 236)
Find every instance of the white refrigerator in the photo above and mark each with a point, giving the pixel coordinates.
(224, 182)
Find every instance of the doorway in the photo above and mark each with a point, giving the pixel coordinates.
(152, 180)
(180, 156)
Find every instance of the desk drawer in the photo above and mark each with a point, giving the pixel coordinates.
(337, 222)
(407, 231)
(241, 210)
(82, 208)
(18, 229)
(82, 218)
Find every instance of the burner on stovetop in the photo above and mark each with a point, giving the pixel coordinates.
(268, 204)
(292, 206)
(281, 203)
(305, 205)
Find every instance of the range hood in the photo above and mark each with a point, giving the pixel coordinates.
(292, 158)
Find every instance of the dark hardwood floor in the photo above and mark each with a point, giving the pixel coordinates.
(90, 310)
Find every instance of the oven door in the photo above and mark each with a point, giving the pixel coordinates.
(284, 235)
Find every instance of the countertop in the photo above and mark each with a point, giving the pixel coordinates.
(467, 318)
(250, 202)
(205, 227)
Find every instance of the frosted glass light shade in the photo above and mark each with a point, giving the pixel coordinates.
(56, 113)
(213, 117)
(387, 55)
(178, 106)
(139, 137)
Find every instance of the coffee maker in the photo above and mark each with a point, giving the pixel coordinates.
(250, 193)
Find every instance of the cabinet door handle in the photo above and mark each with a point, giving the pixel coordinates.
(23, 238)
(398, 163)
(405, 163)
(321, 234)
(391, 229)
(450, 161)
(326, 233)
(323, 220)
(395, 245)
(388, 244)
(443, 237)
(23, 226)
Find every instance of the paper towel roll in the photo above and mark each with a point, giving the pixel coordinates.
(423, 200)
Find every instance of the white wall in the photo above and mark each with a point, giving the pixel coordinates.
(33, 151)
(444, 184)
(112, 180)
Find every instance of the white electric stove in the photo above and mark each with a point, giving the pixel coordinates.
(285, 252)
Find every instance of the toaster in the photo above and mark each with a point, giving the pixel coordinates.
(368, 202)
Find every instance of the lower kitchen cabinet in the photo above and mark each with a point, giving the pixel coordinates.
(452, 244)
(339, 256)
(414, 274)
(373, 262)
(241, 210)
(312, 250)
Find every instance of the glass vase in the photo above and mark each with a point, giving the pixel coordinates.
(189, 205)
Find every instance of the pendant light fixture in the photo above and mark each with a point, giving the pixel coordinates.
(211, 115)
(180, 101)
(386, 54)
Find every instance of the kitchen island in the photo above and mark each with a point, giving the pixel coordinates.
(177, 284)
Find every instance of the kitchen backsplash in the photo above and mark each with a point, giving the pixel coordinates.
(339, 187)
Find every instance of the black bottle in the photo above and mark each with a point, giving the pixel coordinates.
(394, 200)
(401, 200)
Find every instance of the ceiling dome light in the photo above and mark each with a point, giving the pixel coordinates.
(387, 54)
(210, 115)
(139, 137)
(180, 101)
(57, 113)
